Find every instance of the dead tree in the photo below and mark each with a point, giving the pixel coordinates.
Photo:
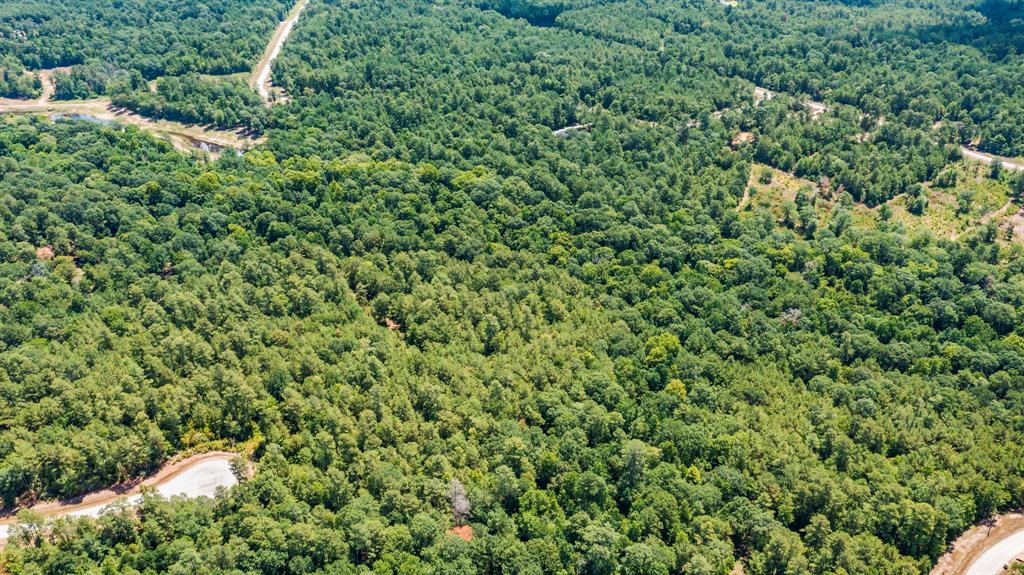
(459, 500)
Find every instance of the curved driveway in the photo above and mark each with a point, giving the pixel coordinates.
(197, 476)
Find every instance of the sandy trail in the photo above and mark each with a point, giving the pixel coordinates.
(196, 476)
(985, 548)
(987, 159)
(48, 88)
(570, 129)
(746, 193)
(261, 73)
(46, 78)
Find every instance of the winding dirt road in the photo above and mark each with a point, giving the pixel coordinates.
(987, 159)
(261, 73)
(985, 548)
(196, 476)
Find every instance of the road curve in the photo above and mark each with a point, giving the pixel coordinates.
(261, 73)
(989, 158)
(196, 476)
(999, 555)
(985, 548)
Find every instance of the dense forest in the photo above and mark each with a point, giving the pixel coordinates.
(421, 306)
(16, 81)
(94, 78)
(154, 37)
(225, 103)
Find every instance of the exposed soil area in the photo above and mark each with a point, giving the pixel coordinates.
(46, 78)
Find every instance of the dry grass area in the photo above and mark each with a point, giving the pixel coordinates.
(783, 187)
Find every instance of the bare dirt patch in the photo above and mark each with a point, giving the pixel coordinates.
(46, 78)
(762, 94)
(464, 532)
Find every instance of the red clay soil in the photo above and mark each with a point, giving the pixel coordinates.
(975, 541)
(168, 471)
(464, 532)
(44, 253)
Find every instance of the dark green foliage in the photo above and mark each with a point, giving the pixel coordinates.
(633, 411)
(93, 79)
(16, 81)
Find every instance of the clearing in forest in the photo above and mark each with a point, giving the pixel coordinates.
(183, 137)
(260, 79)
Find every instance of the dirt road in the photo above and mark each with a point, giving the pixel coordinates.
(562, 132)
(987, 159)
(985, 548)
(48, 88)
(261, 73)
(999, 555)
(196, 476)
